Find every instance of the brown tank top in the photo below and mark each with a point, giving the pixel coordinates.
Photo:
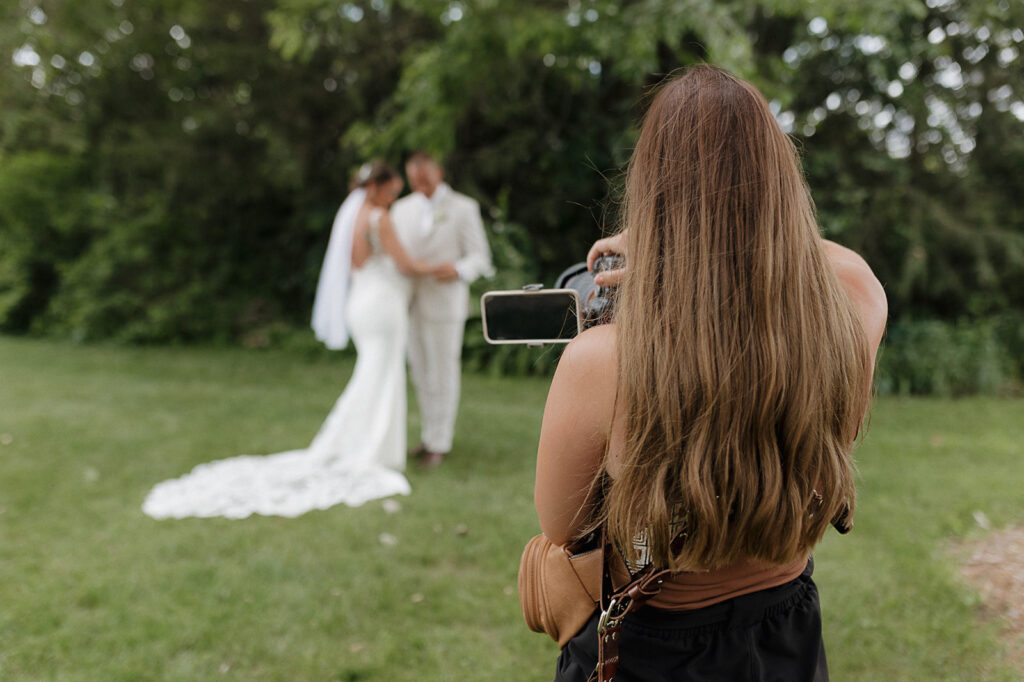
(687, 591)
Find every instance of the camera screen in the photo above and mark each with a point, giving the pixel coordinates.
(522, 316)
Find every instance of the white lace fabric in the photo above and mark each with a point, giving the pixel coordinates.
(286, 484)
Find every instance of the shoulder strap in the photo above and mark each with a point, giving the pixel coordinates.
(644, 585)
(615, 606)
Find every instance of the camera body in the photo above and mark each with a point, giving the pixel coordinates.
(537, 316)
(597, 302)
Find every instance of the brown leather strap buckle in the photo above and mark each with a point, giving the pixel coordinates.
(609, 627)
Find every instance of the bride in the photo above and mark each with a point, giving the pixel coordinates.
(359, 452)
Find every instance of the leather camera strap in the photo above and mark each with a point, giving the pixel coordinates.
(615, 606)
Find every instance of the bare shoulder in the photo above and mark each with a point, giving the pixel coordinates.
(588, 362)
(844, 256)
(861, 286)
(596, 343)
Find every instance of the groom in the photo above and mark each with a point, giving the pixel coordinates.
(437, 224)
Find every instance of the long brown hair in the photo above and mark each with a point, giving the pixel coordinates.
(743, 373)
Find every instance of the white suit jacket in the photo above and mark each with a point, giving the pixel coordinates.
(448, 229)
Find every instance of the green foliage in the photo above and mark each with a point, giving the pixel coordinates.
(169, 169)
(913, 154)
(941, 358)
(48, 216)
(218, 165)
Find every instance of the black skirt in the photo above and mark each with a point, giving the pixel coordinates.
(773, 634)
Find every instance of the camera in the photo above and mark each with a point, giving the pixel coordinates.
(536, 316)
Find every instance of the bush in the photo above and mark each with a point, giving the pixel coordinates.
(142, 282)
(46, 218)
(940, 358)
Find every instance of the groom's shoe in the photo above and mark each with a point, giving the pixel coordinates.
(431, 460)
(418, 452)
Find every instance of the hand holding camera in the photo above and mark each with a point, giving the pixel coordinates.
(603, 248)
(583, 296)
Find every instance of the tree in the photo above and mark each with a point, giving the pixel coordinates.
(211, 142)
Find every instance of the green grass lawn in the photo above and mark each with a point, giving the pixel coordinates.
(91, 589)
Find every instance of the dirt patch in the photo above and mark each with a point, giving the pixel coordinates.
(995, 567)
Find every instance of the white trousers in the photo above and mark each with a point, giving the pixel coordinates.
(435, 364)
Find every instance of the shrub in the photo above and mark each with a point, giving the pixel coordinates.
(941, 358)
(46, 218)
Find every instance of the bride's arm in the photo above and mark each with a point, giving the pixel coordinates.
(393, 247)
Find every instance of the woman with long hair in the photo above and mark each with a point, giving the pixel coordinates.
(715, 437)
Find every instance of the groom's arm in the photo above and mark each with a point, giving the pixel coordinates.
(476, 253)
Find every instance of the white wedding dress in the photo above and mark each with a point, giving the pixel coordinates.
(359, 452)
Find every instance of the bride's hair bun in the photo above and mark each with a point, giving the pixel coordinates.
(373, 172)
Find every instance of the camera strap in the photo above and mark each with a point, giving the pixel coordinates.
(643, 586)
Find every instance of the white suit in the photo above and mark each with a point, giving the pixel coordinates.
(444, 228)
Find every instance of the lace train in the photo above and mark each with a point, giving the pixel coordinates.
(359, 452)
(285, 484)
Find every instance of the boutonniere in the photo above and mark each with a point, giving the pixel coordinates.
(440, 207)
